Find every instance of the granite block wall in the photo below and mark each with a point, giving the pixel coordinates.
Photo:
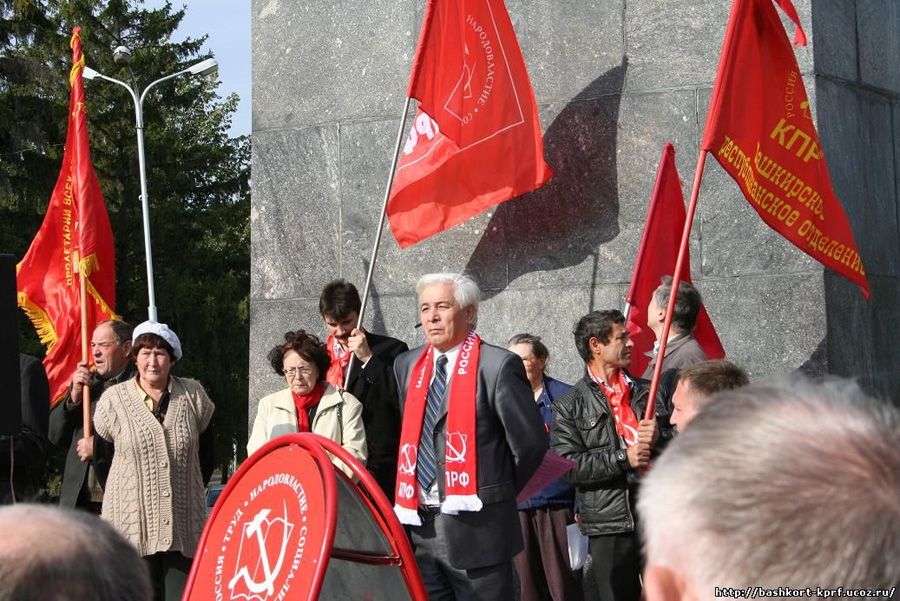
(614, 81)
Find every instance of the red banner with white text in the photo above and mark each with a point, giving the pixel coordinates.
(476, 138)
(761, 131)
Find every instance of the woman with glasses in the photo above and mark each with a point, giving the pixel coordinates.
(159, 427)
(309, 403)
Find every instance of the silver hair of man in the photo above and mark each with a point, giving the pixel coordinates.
(465, 290)
(793, 484)
(49, 553)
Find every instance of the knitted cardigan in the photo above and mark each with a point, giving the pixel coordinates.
(154, 495)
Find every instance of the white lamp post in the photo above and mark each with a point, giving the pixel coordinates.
(123, 57)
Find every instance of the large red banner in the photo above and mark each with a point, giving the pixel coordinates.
(76, 223)
(656, 258)
(761, 131)
(476, 138)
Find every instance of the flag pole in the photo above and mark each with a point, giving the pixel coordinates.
(384, 203)
(86, 391)
(629, 298)
(676, 279)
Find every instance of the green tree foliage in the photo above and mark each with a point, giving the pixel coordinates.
(198, 177)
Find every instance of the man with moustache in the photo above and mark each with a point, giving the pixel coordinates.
(599, 425)
(471, 438)
(111, 352)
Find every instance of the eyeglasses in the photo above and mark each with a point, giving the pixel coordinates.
(293, 372)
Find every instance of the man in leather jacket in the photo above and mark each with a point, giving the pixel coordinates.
(599, 425)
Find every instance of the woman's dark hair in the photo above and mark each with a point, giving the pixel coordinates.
(540, 350)
(151, 341)
(307, 346)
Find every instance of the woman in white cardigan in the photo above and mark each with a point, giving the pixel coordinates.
(309, 403)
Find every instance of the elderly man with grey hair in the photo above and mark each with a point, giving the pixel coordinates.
(776, 489)
(471, 438)
(53, 554)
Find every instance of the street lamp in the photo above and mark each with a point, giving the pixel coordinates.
(122, 57)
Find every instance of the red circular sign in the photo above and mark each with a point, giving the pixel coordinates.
(266, 538)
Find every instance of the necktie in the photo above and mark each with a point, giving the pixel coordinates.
(426, 463)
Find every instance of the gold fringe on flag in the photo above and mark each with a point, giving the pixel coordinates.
(40, 319)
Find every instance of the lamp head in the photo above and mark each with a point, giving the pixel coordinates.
(207, 67)
(89, 73)
(122, 56)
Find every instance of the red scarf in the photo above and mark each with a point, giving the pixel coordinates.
(620, 402)
(460, 460)
(340, 358)
(303, 402)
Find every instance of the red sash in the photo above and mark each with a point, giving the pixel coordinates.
(335, 375)
(620, 403)
(460, 459)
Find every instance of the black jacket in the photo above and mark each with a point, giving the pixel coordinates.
(376, 388)
(30, 443)
(584, 431)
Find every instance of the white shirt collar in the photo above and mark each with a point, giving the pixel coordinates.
(451, 355)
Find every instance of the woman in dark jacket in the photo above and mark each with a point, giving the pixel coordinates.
(543, 565)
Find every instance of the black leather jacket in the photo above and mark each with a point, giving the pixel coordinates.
(584, 431)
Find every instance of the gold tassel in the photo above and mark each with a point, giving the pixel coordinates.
(40, 320)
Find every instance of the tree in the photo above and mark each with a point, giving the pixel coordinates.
(198, 177)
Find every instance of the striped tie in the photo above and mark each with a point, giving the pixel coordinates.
(425, 460)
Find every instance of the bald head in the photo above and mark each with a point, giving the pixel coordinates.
(53, 554)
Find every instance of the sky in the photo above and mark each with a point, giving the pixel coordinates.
(227, 22)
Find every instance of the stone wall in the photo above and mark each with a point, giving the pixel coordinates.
(857, 60)
(614, 80)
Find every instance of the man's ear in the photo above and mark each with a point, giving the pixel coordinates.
(664, 584)
(126, 346)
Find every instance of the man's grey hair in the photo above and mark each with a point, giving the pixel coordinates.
(780, 485)
(48, 553)
(465, 291)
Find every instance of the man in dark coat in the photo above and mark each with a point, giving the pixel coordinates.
(599, 424)
(372, 379)
(111, 351)
(464, 552)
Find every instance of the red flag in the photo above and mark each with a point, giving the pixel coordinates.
(76, 221)
(657, 257)
(761, 131)
(476, 138)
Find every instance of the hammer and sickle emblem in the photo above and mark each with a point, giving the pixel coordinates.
(456, 447)
(254, 528)
(407, 464)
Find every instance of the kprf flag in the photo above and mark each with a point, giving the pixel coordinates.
(76, 221)
(656, 258)
(476, 138)
(761, 131)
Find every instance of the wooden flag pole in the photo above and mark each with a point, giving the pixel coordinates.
(676, 279)
(85, 353)
(387, 194)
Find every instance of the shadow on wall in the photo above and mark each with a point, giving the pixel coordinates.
(564, 223)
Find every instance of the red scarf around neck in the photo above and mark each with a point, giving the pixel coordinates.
(335, 375)
(620, 403)
(460, 459)
(303, 402)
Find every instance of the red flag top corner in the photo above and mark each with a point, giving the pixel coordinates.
(656, 258)
(760, 129)
(475, 140)
(76, 222)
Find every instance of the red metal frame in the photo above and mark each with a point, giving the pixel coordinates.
(310, 443)
(384, 512)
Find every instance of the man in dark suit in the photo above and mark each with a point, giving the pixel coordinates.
(371, 376)
(464, 538)
(111, 351)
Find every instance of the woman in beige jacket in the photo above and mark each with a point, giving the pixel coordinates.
(309, 404)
